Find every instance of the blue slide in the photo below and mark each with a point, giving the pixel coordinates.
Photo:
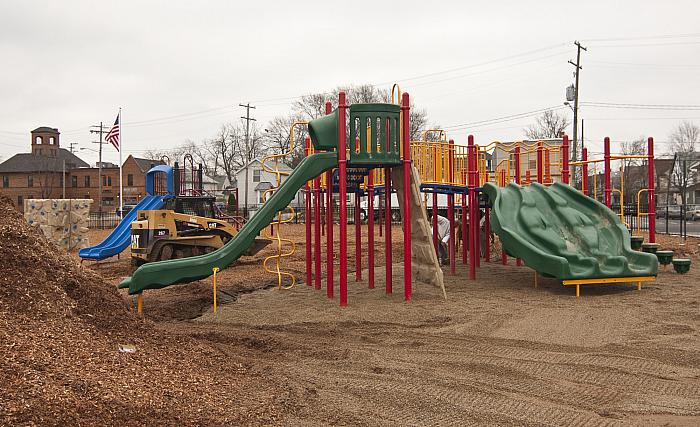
(120, 237)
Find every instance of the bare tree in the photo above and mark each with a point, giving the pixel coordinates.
(549, 125)
(684, 138)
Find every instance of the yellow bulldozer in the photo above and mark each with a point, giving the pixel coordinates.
(185, 227)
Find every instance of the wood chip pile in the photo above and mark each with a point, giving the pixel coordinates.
(73, 352)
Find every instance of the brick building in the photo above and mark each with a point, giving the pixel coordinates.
(42, 173)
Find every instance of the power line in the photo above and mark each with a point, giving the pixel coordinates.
(661, 36)
(670, 107)
(503, 118)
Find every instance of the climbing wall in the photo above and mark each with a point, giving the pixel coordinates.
(63, 221)
(424, 260)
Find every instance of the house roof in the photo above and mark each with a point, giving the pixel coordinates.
(262, 186)
(146, 164)
(45, 129)
(28, 162)
(662, 166)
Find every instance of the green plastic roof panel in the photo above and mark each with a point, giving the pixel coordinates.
(560, 232)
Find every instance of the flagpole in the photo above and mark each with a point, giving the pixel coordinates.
(121, 148)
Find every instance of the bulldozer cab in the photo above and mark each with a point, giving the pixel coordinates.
(193, 205)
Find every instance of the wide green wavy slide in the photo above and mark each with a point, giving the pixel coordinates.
(160, 274)
(560, 232)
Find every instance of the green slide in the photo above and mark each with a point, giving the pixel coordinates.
(560, 232)
(165, 273)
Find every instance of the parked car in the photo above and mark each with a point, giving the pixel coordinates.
(693, 213)
(673, 211)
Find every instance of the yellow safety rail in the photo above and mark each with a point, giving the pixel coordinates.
(639, 210)
(274, 231)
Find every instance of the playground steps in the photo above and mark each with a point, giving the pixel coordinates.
(424, 260)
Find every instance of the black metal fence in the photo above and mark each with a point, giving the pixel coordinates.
(102, 220)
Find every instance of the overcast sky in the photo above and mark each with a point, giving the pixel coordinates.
(71, 64)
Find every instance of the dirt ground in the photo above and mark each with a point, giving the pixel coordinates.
(497, 351)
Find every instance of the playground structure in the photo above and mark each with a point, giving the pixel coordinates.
(379, 138)
(372, 157)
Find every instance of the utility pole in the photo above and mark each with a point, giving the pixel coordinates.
(72, 144)
(247, 151)
(99, 166)
(574, 153)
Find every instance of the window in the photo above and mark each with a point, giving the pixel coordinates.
(130, 180)
(30, 181)
(109, 181)
(256, 175)
(20, 201)
(261, 197)
(106, 181)
(74, 181)
(108, 201)
(87, 181)
(38, 151)
(52, 140)
(31, 196)
(38, 140)
(87, 196)
(532, 165)
(5, 181)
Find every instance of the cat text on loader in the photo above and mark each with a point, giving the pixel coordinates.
(164, 234)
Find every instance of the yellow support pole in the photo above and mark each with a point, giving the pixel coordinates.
(215, 270)
(578, 291)
(139, 303)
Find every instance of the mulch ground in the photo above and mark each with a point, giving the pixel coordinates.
(61, 329)
(496, 352)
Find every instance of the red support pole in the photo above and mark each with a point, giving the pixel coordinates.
(518, 261)
(342, 189)
(540, 169)
(329, 225)
(450, 243)
(358, 240)
(307, 218)
(606, 176)
(547, 166)
(435, 221)
(380, 214)
(387, 228)
(473, 219)
(317, 232)
(564, 160)
(477, 206)
(464, 229)
(370, 229)
(651, 209)
(584, 171)
(406, 139)
(504, 256)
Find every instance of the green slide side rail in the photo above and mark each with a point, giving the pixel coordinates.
(160, 274)
(560, 232)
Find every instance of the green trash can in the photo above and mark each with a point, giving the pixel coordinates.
(650, 248)
(664, 257)
(636, 242)
(681, 265)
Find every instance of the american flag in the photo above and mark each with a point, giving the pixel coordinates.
(113, 135)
